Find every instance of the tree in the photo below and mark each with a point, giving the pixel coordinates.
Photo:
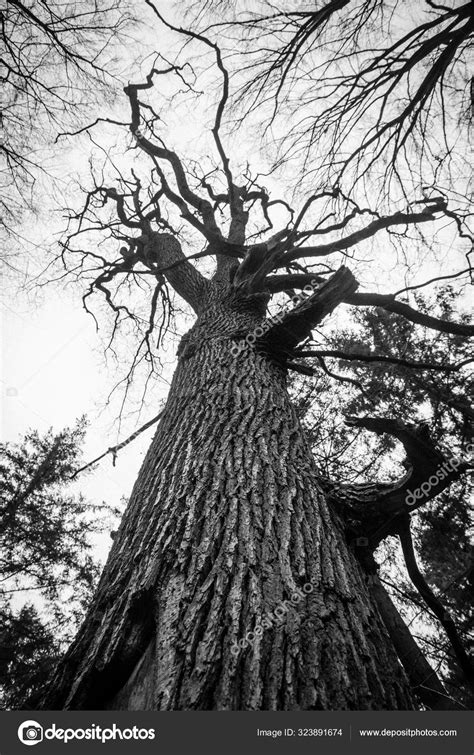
(237, 579)
(29, 650)
(46, 556)
(373, 96)
(385, 366)
(57, 63)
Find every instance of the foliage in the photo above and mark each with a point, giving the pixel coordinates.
(46, 547)
(443, 527)
(29, 649)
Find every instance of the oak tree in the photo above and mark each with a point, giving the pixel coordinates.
(241, 577)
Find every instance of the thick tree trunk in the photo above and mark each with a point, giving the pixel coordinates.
(226, 525)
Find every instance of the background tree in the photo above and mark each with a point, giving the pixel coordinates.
(230, 516)
(386, 365)
(47, 572)
(58, 66)
(54, 57)
(375, 97)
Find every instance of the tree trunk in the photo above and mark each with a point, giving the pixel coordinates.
(226, 525)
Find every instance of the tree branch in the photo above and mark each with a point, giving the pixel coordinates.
(433, 603)
(339, 354)
(423, 679)
(208, 226)
(115, 449)
(398, 218)
(297, 324)
(259, 260)
(389, 303)
(374, 508)
(186, 280)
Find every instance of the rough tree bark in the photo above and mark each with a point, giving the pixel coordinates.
(226, 522)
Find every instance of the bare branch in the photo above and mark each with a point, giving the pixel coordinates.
(353, 357)
(115, 449)
(390, 304)
(208, 227)
(398, 218)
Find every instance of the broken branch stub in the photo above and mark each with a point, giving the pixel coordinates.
(297, 324)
